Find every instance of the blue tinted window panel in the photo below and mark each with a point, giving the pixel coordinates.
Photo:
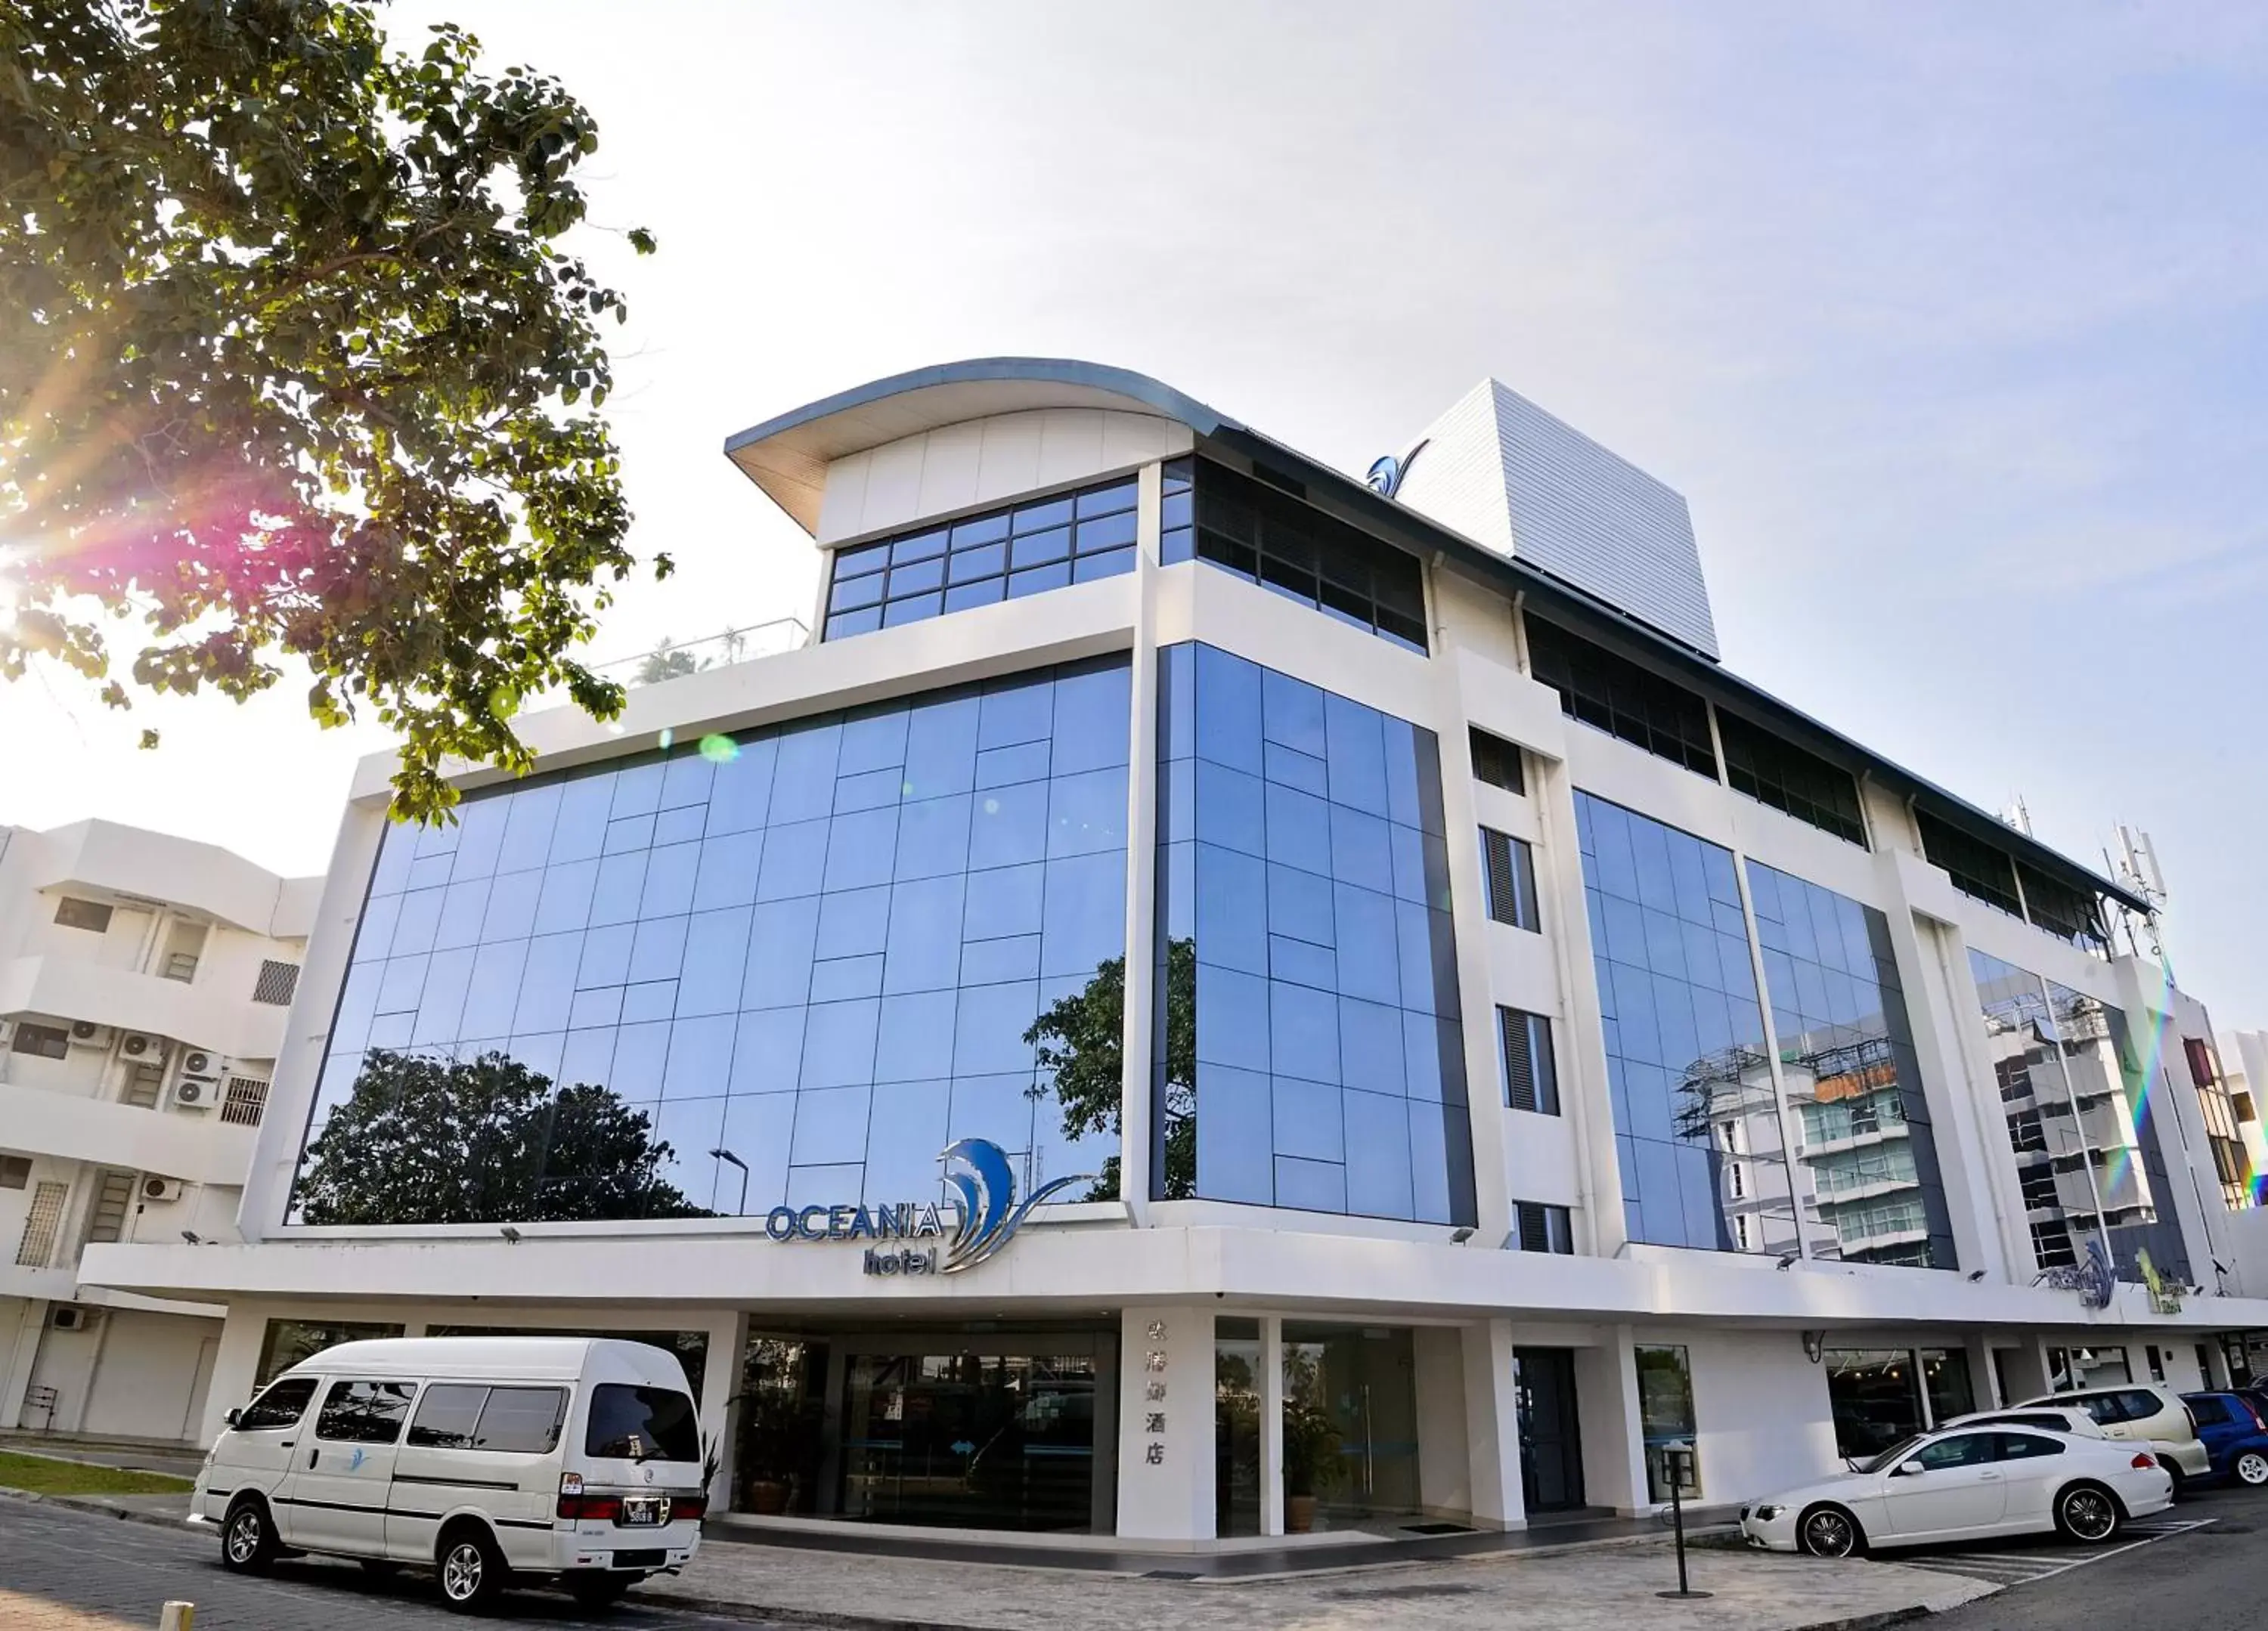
(596, 1006)
(992, 962)
(1009, 826)
(1006, 766)
(1232, 808)
(605, 959)
(1085, 917)
(678, 826)
(739, 796)
(1227, 710)
(1232, 1020)
(984, 591)
(1303, 1032)
(1103, 500)
(979, 530)
(872, 739)
(1038, 580)
(997, 1107)
(716, 960)
(920, 578)
(1378, 1165)
(830, 1127)
(1298, 830)
(670, 873)
(417, 920)
(1109, 564)
(652, 999)
(867, 558)
(726, 873)
(836, 979)
(767, 1052)
(932, 838)
(986, 561)
(1041, 517)
(1310, 1185)
(1235, 1132)
(1113, 531)
(919, 547)
(1371, 1049)
(700, 1058)
(1232, 910)
(914, 1039)
(989, 1026)
(1308, 1120)
(910, 1123)
(1301, 964)
(780, 954)
(1007, 900)
(913, 609)
(842, 624)
(862, 850)
(1368, 939)
(794, 861)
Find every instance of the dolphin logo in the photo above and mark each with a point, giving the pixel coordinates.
(990, 1212)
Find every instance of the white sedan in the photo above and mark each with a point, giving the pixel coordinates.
(1964, 1484)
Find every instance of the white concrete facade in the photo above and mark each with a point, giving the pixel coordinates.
(1159, 1275)
(145, 983)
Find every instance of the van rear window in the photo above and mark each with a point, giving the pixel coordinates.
(641, 1424)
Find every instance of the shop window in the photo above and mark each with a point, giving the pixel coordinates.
(1876, 1398)
(1236, 1426)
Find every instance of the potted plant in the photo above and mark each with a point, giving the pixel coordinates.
(1311, 1463)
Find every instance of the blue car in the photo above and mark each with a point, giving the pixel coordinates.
(2235, 1433)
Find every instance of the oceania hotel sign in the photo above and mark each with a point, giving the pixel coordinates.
(990, 1214)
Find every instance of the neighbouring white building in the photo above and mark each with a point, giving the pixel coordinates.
(1471, 1038)
(144, 981)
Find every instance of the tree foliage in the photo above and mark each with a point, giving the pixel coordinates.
(485, 1140)
(1081, 1040)
(292, 365)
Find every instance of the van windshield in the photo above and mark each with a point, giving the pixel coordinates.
(641, 1424)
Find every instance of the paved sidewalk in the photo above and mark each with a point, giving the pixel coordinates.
(1601, 1588)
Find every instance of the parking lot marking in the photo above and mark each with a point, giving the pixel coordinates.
(2015, 1568)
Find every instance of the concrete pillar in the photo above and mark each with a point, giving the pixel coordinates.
(236, 1367)
(1137, 1085)
(1271, 1425)
(1982, 1383)
(1166, 1424)
(1445, 1472)
(2027, 1366)
(19, 1352)
(728, 1338)
(1614, 1442)
(1492, 1426)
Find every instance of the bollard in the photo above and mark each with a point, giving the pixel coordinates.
(1675, 1459)
(178, 1616)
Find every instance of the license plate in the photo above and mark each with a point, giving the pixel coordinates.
(642, 1510)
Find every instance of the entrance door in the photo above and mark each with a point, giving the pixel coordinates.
(1551, 1443)
(976, 1441)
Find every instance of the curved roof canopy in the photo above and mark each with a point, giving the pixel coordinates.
(788, 458)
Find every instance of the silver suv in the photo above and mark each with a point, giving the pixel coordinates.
(2141, 1413)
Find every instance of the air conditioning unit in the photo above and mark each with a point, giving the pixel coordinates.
(70, 1317)
(136, 1044)
(161, 1188)
(201, 1061)
(87, 1033)
(198, 1092)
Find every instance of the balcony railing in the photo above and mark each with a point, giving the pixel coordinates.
(669, 660)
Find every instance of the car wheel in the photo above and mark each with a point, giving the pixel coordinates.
(600, 1591)
(2252, 1469)
(1829, 1531)
(248, 1537)
(472, 1571)
(2088, 1513)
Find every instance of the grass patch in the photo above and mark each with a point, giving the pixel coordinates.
(43, 1476)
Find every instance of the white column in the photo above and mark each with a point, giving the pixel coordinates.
(1492, 1426)
(236, 1366)
(18, 1357)
(728, 1340)
(1135, 1034)
(1166, 1424)
(1614, 1442)
(1271, 1425)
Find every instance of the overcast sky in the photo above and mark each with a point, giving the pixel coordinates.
(1947, 321)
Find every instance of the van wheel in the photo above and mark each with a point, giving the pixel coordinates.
(2088, 1513)
(2252, 1469)
(594, 1590)
(472, 1573)
(248, 1537)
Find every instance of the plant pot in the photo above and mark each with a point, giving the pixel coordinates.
(766, 1498)
(1299, 1515)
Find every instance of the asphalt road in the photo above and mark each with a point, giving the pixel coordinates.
(67, 1570)
(2205, 1579)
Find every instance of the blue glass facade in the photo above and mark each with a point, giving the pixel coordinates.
(1309, 1053)
(1847, 1058)
(1696, 1123)
(818, 946)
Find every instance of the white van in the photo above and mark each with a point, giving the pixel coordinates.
(489, 1459)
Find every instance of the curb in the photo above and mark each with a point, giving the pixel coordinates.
(1870, 1622)
(100, 1507)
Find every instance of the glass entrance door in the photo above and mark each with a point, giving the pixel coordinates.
(976, 1441)
(1550, 1443)
(1350, 1423)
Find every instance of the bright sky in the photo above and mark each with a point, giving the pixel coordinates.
(1948, 319)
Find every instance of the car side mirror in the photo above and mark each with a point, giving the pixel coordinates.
(1908, 1469)
(231, 1418)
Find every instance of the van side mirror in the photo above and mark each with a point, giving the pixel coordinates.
(230, 1419)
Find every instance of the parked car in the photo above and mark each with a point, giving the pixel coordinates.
(2138, 1413)
(1964, 1484)
(2235, 1431)
(489, 1459)
(2049, 1418)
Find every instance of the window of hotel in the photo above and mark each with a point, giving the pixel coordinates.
(1272, 538)
(1980, 871)
(821, 948)
(1619, 697)
(92, 916)
(1531, 1078)
(1697, 1121)
(15, 1172)
(1774, 771)
(1510, 867)
(1310, 1052)
(1849, 1069)
(1000, 555)
(2068, 914)
(1496, 761)
(1541, 1228)
(44, 1041)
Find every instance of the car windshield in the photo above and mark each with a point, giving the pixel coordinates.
(1894, 1454)
(642, 1424)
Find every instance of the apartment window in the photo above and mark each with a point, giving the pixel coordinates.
(1511, 866)
(2199, 1052)
(185, 944)
(113, 1201)
(245, 1098)
(142, 1085)
(2025, 1133)
(1980, 871)
(47, 1041)
(1497, 761)
(1543, 1228)
(1776, 772)
(15, 1172)
(2051, 1245)
(2038, 1184)
(1617, 696)
(1531, 1082)
(1271, 538)
(92, 916)
(42, 1226)
(1002, 555)
(276, 983)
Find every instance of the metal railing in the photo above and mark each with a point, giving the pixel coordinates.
(670, 660)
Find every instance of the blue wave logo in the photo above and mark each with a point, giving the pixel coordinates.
(990, 1211)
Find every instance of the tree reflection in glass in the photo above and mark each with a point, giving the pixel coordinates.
(1081, 1045)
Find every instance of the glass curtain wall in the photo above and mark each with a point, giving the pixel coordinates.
(1697, 1118)
(1848, 1065)
(1237, 1405)
(784, 967)
(1308, 1050)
